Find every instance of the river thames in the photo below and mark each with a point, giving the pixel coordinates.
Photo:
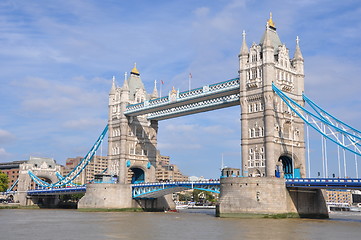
(197, 224)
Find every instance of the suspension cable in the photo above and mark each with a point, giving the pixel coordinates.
(308, 150)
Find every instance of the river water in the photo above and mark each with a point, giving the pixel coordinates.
(189, 224)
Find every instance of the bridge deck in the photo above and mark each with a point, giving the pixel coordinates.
(155, 190)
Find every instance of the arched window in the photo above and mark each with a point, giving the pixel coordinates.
(287, 130)
(138, 149)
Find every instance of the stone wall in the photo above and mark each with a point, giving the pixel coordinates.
(245, 196)
(119, 196)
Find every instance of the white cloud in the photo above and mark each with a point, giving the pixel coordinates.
(4, 154)
(6, 136)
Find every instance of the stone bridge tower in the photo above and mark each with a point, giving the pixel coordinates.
(44, 168)
(272, 136)
(132, 141)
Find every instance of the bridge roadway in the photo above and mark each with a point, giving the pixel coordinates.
(154, 190)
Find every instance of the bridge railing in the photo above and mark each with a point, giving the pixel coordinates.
(213, 182)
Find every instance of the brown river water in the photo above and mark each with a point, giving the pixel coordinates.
(188, 224)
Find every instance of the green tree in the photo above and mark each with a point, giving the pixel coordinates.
(3, 182)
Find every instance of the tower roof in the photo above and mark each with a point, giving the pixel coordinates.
(272, 35)
(134, 82)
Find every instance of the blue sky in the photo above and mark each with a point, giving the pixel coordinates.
(58, 58)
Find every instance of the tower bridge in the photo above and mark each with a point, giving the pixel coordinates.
(270, 93)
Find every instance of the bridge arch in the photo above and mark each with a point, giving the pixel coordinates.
(137, 174)
(286, 163)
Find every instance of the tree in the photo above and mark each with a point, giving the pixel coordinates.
(3, 182)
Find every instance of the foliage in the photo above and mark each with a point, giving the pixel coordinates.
(71, 197)
(197, 196)
(3, 182)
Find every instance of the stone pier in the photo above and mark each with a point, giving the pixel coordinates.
(268, 197)
(119, 196)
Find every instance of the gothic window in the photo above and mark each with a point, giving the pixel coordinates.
(260, 131)
(253, 132)
(138, 131)
(286, 130)
(256, 107)
(254, 73)
(250, 133)
(138, 149)
(261, 106)
(250, 150)
(250, 107)
(256, 132)
(262, 149)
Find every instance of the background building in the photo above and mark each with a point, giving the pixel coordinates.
(11, 169)
(339, 197)
(97, 165)
(166, 171)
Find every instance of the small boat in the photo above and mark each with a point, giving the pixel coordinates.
(181, 206)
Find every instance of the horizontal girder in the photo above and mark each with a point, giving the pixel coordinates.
(324, 183)
(155, 190)
(210, 97)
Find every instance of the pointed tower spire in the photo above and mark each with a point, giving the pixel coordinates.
(125, 84)
(112, 90)
(298, 54)
(155, 91)
(266, 37)
(244, 48)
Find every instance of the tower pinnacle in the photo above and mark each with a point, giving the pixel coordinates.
(125, 84)
(112, 90)
(298, 54)
(244, 48)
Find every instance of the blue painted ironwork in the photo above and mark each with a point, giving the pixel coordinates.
(334, 131)
(57, 191)
(138, 175)
(324, 183)
(154, 190)
(77, 170)
(12, 186)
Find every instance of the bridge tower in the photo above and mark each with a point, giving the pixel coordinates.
(132, 141)
(272, 136)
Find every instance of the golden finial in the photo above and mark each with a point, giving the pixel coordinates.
(173, 90)
(135, 70)
(270, 21)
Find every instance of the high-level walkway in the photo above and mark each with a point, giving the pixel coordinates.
(206, 98)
